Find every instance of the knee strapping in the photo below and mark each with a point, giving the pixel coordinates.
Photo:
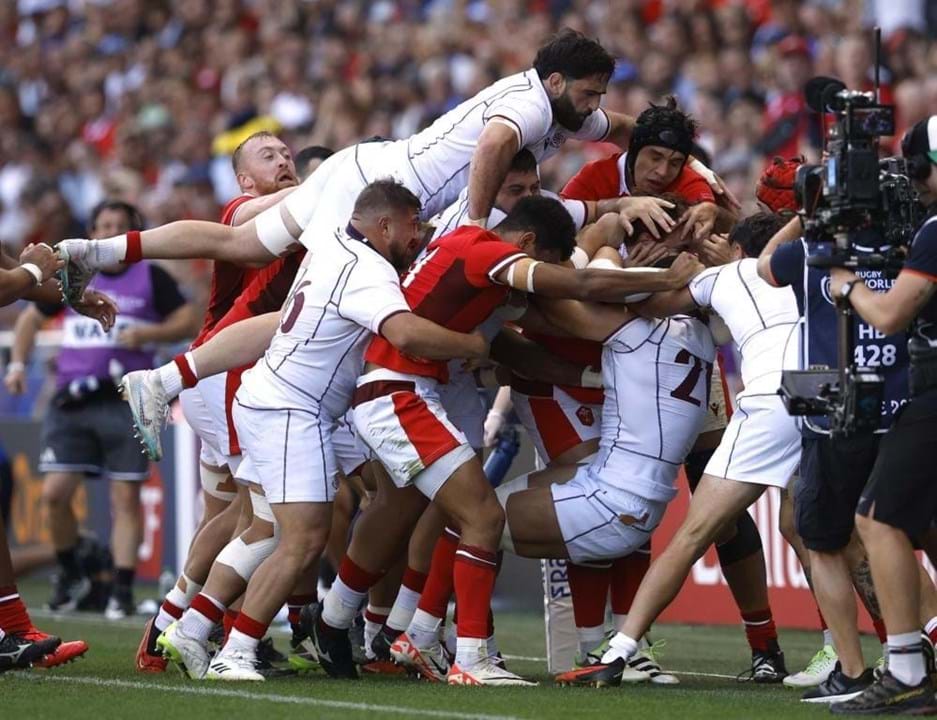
(747, 542)
(214, 483)
(244, 559)
(261, 508)
(503, 492)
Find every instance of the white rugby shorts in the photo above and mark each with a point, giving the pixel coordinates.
(558, 422)
(761, 444)
(602, 522)
(290, 453)
(401, 419)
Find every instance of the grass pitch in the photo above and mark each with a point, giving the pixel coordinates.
(103, 685)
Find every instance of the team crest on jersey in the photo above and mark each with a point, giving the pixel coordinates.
(585, 416)
(826, 288)
(554, 140)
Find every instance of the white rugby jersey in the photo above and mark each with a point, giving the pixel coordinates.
(439, 156)
(342, 294)
(656, 376)
(762, 319)
(457, 213)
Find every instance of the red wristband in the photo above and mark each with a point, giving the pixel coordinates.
(134, 248)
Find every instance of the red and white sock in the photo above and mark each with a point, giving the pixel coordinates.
(760, 630)
(295, 605)
(246, 633)
(474, 573)
(931, 629)
(14, 618)
(228, 621)
(437, 591)
(375, 617)
(588, 585)
(176, 602)
(347, 594)
(408, 597)
(203, 614)
(178, 374)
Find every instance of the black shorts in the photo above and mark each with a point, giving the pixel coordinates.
(902, 491)
(94, 438)
(833, 474)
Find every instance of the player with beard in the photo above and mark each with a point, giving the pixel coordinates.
(263, 166)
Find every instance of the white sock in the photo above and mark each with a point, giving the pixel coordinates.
(239, 641)
(371, 627)
(885, 653)
(404, 606)
(109, 251)
(492, 646)
(341, 604)
(196, 625)
(470, 651)
(906, 657)
(590, 638)
(827, 637)
(171, 379)
(424, 629)
(620, 646)
(181, 599)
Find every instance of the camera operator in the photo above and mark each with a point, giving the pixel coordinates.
(834, 470)
(898, 504)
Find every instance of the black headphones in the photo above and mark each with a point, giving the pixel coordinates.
(914, 147)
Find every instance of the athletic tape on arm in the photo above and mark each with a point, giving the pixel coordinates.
(272, 231)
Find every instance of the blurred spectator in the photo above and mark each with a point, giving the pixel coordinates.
(144, 100)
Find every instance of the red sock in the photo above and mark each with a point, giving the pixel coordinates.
(13, 615)
(760, 630)
(295, 604)
(202, 604)
(189, 378)
(355, 577)
(440, 582)
(589, 588)
(413, 580)
(879, 626)
(932, 634)
(134, 252)
(474, 573)
(250, 627)
(228, 621)
(626, 576)
(378, 618)
(173, 611)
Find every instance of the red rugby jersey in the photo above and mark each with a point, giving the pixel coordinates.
(602, 179)
(575, 350)
(227, 280)
(450, 284)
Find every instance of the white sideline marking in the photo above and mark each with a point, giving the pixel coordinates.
(264, 697)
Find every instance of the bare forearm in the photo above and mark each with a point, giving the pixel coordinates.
(430, 341)
(237, 345)
(786, 234)
(530, 360)
(24, 334)
(878, 310)
(15, 285)
(621, 126)
(253, 207)
(490, 165)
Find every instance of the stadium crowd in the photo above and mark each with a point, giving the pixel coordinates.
(437, 263)
(145, 101)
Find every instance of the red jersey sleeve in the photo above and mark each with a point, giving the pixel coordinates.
(227, 214)
(596, 180)
(486, 259)
(692, 187)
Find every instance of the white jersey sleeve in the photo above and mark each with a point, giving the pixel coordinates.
(701, 287)
(525, 113)
(371, 295)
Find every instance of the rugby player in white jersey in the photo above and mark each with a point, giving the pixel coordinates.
(760, 447)
(288, 404)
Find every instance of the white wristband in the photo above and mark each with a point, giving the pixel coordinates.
(579, 258)
(478, 222)
(15, 366)
(34, 271)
